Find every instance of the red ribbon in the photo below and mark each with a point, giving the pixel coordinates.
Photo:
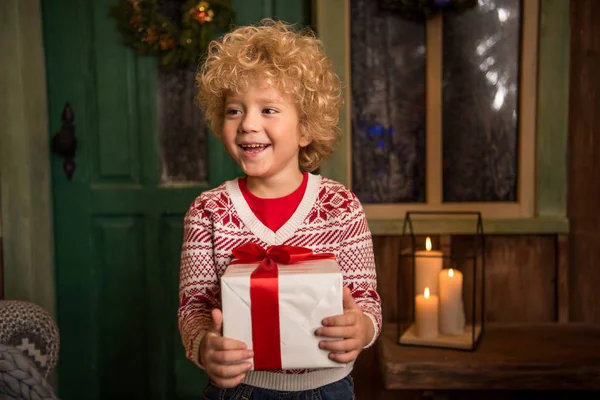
(264, 296)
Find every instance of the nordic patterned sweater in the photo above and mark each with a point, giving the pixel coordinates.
(329, 219)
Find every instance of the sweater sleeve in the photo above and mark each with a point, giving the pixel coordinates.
(199, 290)
(357, 261)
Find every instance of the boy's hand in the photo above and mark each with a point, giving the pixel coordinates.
(353, 327)
(223, 358)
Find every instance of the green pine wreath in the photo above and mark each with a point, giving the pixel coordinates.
(424, 9)
(182, 42)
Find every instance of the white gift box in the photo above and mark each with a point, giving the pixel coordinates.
(309, 291)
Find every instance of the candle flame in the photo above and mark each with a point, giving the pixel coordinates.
(451, 272)
(426, 293)
(428, 244)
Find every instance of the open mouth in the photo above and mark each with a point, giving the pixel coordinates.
(254, 148)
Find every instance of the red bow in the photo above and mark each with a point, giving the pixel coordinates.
(264, 296)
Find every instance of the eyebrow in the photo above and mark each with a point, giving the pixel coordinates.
(261, 100)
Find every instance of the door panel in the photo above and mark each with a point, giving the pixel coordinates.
(118, 303)
(118, 225)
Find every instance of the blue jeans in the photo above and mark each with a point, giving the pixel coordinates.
(340, 390)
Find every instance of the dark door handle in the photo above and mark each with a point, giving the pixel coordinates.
(64, 142)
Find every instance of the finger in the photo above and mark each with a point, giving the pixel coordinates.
(231, 356)
(228, 383)
(346, 319)
(220, 343)
(348, 300)
(339, 345)
(230, 371)
(217, 320)
(344, 357)
(337, 332)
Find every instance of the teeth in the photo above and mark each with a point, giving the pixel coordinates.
(253, 146)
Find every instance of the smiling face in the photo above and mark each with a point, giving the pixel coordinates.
(261, 132)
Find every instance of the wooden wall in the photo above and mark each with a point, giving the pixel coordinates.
(531, 279)
(584, 164)
(1, 273)
(1, 258)
(520, 278)
(521, 287)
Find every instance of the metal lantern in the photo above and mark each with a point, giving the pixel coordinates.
(441, 280)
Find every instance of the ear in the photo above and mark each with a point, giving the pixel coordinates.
(305, 141)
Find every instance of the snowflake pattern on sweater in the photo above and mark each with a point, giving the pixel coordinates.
(329, 219)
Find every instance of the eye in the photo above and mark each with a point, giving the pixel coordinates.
(232, 111)
(270, 111)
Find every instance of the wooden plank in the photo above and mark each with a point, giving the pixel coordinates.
(584, 165)
(346, 111)
(490, 226)
(433, 124)
(488, 210)
(584, 274)
(553, 108)
(446, 248)
(519, 279)
(562, 278)
(333, 28)
(387, 258)
(527, 107)
(268, 8)
(519, 357)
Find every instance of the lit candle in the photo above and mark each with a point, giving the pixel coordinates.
(428, 265)
(426, 314)
(452, 314)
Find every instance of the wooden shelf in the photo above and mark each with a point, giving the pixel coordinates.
(516, 357)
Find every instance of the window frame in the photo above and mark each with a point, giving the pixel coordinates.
(543, 124)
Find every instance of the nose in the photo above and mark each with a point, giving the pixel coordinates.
(250, 122)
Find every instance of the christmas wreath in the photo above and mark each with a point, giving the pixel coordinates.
(181, 42)
(420, 9)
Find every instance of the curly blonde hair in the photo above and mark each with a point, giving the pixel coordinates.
(291, 61)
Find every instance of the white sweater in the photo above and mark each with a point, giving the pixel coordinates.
(329, 219)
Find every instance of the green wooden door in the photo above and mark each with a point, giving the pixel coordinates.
(118, 221)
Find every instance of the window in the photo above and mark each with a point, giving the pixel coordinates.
(442, 115)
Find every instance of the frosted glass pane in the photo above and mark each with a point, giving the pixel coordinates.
(182, 131)
(480, 102)
(388, 105)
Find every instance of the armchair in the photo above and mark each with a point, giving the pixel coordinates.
(29, 346)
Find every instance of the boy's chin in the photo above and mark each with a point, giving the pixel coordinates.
(256, 172)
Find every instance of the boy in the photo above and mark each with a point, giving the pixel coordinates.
(271, 96)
